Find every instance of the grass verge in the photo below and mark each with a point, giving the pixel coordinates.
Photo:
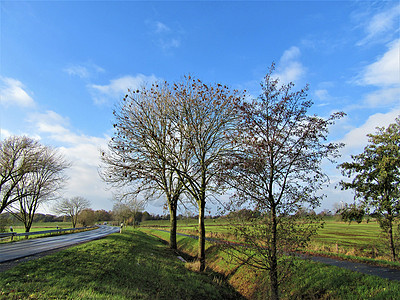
(132, 265)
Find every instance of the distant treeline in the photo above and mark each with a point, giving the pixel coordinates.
(98, 216)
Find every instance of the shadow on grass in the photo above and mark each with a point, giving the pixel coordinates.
(131, 265)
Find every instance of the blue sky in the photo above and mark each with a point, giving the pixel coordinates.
(64, 65)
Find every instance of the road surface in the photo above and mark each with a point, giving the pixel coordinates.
(12, 251)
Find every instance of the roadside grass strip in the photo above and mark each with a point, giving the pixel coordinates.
(306, 280)
(131, 265)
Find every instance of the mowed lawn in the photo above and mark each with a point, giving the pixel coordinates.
(132, 265)
(42, 226)
(362, 240)
(351, 235)
(334, 231)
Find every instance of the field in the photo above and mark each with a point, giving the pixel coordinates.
(35, 228)
(357, 241)
(42, 226)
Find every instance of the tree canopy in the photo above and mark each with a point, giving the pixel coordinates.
(375, 175)
(275, 168)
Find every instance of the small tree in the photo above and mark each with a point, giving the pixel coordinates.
(18, 157)
(202, 114)
(71, 208)
(103, 215)
(126, 209)
(39, 185)
(376, 178)
(275, 169)
(87, 217)
(137, 157)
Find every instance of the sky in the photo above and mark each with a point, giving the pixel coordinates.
(64, 65)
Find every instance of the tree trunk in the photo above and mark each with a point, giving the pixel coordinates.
(202, 237)
(172, 231)
(274, 261)
(392, 247)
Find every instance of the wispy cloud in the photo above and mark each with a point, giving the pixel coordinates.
(119, 87)
(83, 71)
(381, 26)
(13, 92)
(290, 68)
(163, 36)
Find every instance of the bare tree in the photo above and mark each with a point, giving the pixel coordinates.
(137, 157)
(125, 209)
(71, 208)
(276, 169)
(202, 115)
(18, 157)
(39, 185)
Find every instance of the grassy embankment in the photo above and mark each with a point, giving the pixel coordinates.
(308, 280)
(131, 265)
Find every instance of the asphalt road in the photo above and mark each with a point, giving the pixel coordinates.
(12, 251)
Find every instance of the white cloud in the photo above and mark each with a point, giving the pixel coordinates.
(289, 67)
(386, 70)
(82, 151)
(50, 123)
(384, 73)
(119, 87)
(382, 25)
(384, 97)
(12, 92)
(356, 139)
(4, 133)
(290, 54)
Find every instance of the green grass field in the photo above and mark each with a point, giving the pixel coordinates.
(345, 234)
(35, 228)
(364, 240)
(42, 226)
